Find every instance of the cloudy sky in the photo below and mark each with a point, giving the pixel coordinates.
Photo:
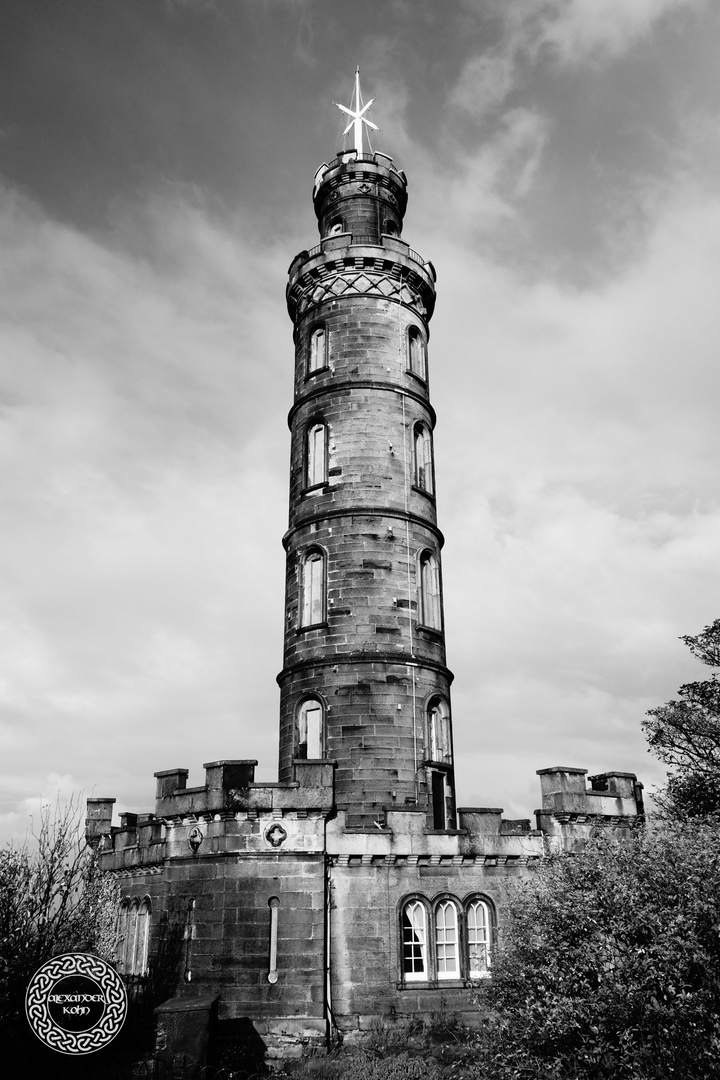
(156, 167)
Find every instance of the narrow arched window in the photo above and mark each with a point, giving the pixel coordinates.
(313, 589)
(391, 227)
(414, 938)
(310, 729)
(337, 225)
(128, 954)
(446, 941)
(439, 744)
(317, 355)
(478, 937)
(122, 935)
(316, 455)
(429, 591)
(422, 454)
(417, 354)
(142, 938)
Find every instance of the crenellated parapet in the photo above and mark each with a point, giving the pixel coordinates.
(228, 813)
(572, 812)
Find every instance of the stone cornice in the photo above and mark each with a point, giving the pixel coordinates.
(332, 386)
(363, 511)
(356, 659)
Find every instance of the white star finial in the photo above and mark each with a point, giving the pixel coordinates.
(357, 114)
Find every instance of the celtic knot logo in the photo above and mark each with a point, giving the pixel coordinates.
(76, 1003)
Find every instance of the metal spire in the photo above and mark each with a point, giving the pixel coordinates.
(357, 114)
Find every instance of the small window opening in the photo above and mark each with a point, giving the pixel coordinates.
(422, 448)
(313, 589)
(317, 359)
(417, 353)
(316, 455)
(310, 730)
(430, 591)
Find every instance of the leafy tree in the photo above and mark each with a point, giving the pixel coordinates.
(685, 734)
(53, 899)
(610, 963)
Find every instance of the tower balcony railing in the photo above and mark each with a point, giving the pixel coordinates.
(358, 239)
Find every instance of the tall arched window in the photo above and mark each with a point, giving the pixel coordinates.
(142, 937)
(429, 591)
(439, 744)
(417, 353)
(478, 938)
(317, 355)
(316, 454)
(446, 941)
(422, 455)
(414, 939)
(122, 935)
(310, 729)
(312, 608)
(134, 936)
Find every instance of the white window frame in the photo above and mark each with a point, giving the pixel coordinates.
(416, 353)
(415, 912)
(313, 588)
(430, 607)
(316, 442)
(423, 458)
(447, 940)
(439, 742)
(317, 349)
(479, 938)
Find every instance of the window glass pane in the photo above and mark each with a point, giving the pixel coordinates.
(313, 590)
(417, 358)
(314, 731)
(414, 939)
(429, 591)
(141, 939)
(316, 455)
(478, 925)
(446, 941)
(122, 930)
(439, 725)
(317, 349)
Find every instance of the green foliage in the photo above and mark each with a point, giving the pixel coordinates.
(610, 964)
(685, 734)
(362, 1065)
(53, 899)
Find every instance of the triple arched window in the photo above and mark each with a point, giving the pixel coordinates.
(445, 939)
(429, 606)
(422, 458)
(313, 588)
(133, 935)
(316, 454)
(317, 349)
(417, 353)
(309, 726)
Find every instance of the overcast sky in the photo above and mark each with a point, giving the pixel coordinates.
(156, 168)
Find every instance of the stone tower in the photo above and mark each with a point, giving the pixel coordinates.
(364, 681)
